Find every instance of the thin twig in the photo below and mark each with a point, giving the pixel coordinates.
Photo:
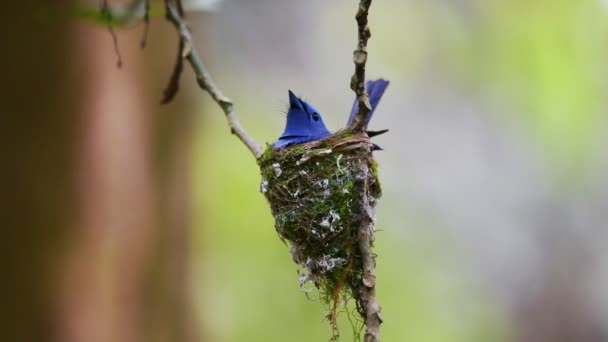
(204, 79)
(106, 15)
(173, 85)
(367, 288)
(357, 81)
(144, 38)
(124, 18)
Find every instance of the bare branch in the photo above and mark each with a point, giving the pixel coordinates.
(204, 79)
(357, 81)
(173, 85)
(367, 288)
(370, 310)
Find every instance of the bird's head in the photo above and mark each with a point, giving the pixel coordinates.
(303, 120)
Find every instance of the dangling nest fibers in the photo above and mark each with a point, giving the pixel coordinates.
(320, 194)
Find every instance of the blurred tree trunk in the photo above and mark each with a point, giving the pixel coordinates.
(98, 184)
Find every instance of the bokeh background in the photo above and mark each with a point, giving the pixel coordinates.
(131, 221)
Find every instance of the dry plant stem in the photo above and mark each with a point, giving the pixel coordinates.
(205, 81)
(357, 81)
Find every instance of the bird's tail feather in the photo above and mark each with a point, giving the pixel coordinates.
(375, 90)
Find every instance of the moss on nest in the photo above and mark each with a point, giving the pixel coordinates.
(315, 191)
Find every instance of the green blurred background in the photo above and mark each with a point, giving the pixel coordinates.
(145, 222)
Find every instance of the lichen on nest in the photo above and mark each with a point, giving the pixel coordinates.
(319, 193)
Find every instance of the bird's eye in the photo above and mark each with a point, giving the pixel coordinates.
(315, 116)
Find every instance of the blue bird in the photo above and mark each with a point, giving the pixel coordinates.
(304, 123)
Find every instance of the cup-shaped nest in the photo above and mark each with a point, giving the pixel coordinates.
(320, 194)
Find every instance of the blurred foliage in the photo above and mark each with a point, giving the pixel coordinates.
(117, 15)
(547, 57)
(543, 60)
(126, 15)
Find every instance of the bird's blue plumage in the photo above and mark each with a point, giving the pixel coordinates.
(304, 122)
